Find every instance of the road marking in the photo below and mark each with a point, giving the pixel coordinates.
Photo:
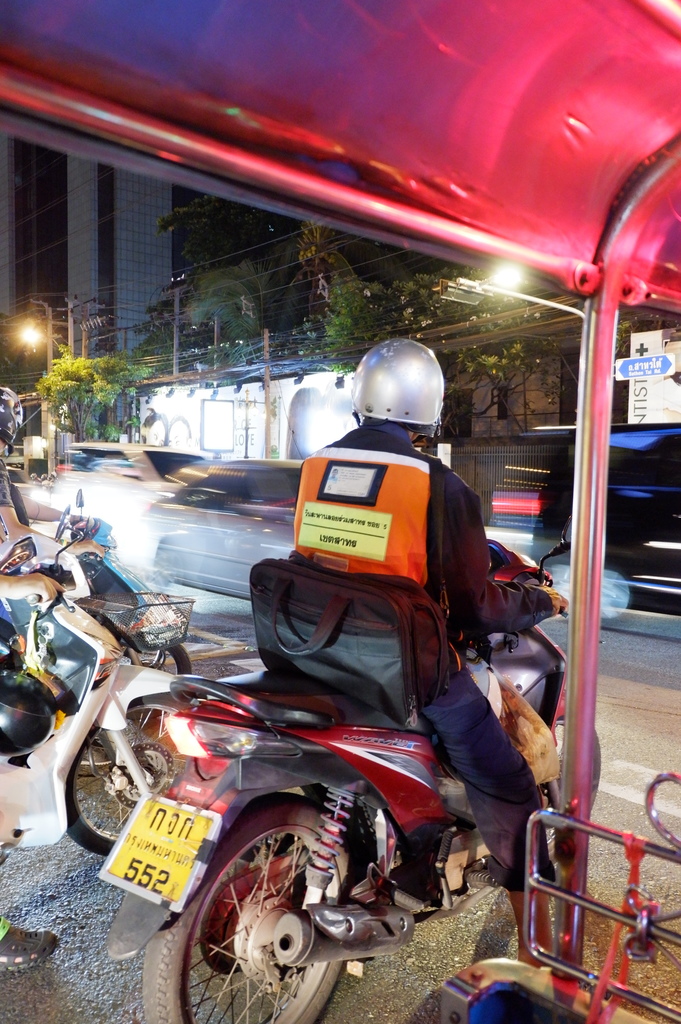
(218, 645)
(215, 637)
(199, 652)
(634, 795)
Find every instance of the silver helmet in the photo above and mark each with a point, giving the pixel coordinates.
(11, 416)
(400, 380)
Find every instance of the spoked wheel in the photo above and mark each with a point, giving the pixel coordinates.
(174, 660)
(216, 964)
(100, 793)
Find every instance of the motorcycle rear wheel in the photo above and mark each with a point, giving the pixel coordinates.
(99, 794)
(215, 962)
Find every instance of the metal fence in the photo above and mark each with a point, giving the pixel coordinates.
(487, 469)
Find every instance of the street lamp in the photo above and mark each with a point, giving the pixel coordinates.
(461, 289)
(31, 335)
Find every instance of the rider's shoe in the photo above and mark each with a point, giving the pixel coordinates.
(20, 949)
(478, 876)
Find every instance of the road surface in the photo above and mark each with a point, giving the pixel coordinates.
(639, 718)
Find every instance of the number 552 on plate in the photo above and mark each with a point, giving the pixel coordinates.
(162, 851)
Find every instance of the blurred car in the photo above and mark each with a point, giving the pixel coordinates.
(643, 524)
(119, 482)
(225, 517)
(153, 467)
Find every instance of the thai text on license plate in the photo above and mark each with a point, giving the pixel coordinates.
(161, 850)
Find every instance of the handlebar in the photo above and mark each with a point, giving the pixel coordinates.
(85, 528)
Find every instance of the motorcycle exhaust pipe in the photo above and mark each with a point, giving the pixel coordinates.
(322, 933)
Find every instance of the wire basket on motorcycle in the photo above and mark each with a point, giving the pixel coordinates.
(146, 622)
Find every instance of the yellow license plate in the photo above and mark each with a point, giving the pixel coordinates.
(157, 853)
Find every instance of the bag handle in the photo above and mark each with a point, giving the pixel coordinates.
(437, 503)
(328, 620)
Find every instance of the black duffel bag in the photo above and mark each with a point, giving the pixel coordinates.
(380, 639)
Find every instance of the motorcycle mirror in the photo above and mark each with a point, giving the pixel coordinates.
(80, 501)
(561, 547)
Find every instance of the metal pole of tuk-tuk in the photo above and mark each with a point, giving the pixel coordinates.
(592, 437)
(650, 185)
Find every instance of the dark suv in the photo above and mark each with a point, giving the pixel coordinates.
(643, 535)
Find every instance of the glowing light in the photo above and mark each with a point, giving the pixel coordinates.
(527, 504)
(659, 579)
(31, 334)
(179, 730)
(507, 277)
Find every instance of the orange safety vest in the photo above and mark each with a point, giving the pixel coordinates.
(364, 511)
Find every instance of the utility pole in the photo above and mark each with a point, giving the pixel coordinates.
(46, 428)
(247, 423)
(71, 320)
(87, 322)
(85, 331)
(70, 303)
(176, 331)
(50, 339)
(176, 290)
(268, 419)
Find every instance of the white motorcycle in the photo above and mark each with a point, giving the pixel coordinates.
(89, 577)
(82, 728)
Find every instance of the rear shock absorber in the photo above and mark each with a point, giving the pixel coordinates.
(320, 870)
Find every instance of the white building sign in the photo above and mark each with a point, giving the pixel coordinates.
(646, 394)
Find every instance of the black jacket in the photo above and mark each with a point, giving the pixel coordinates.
(477, 603)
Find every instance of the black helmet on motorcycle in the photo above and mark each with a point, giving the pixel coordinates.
(27, 713)
(11, 416)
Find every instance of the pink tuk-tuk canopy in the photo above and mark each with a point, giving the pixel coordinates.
(502, 127)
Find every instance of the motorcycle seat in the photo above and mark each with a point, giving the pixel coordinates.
(285, 698)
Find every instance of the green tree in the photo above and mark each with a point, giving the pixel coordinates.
(360, 313)
(327, 257)
(222, 232)
(245, 298)
(282, 284)
(78, 389)
(507, 370)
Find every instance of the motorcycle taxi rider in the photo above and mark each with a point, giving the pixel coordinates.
(397, 397)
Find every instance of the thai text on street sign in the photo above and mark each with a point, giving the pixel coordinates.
(645, 366)
(646, 394)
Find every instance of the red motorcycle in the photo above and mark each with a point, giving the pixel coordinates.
(338, 832)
